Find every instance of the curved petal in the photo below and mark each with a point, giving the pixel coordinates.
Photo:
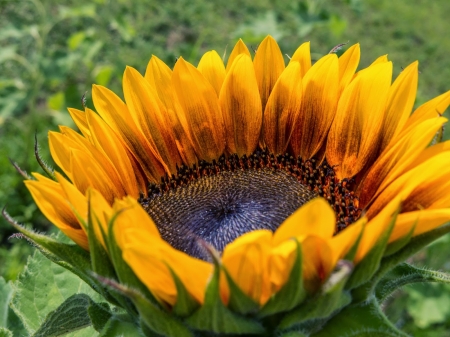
(348, 62)
(269, 64)
(241, 107)
(354, 137)
(303, 56)
(239, 48)
(212, 68)
(201, 106)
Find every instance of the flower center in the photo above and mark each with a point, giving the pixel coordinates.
(218, 202)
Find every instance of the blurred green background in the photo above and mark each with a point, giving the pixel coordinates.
(51, 53)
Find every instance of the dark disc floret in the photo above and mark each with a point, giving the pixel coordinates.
(220, 201)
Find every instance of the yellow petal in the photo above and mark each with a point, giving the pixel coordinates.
(75, 198)
(380, 60)
(376, 227)
(281, 261)
(303, 56)
(159, 76)
(150, 116)
(283, 103)
(130, 214)
(318, 107)
(241, 107)
(348, 62)
(60, 150)
(424, 220)
(50, 199)
(201, 106)
(401, 97)
(212, 68)
(269, 64)
(431, 109)
(314, 218)
(239, 48)
(100, 214)
(115, 113)
(91, 173)
(354, 137)
(317, 261)
(246, 260)
(342, 242)
(106, 140)
(396, 158)
(79, 117)
(152, 266)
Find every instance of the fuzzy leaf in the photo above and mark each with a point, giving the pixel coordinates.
(5, 332)
(331, 298)
(185, 304)
(99, 314)
(5, 297)
(292, 293)
(41, 288)
(404, 274)
(363, 320)
(214, 317)
(70, 316)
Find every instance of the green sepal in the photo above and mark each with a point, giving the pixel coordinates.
(404, 274)
(238, 301)
(214, 317)
(70, 316)
(49, 171)
(185, 304)
(291, 294)
(331, 298)
(414, 245)
(120, 325)
(362, 320)
(123, 271)
(395, 246)
(369, 265)
(155, 319)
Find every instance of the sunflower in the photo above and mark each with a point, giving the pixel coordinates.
(250, 182)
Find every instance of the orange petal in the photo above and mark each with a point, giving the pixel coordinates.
(314, 218)
(50, 199)
(246, 260)
(269, 64)
(150, 115)
(303, 56)
(79, 117)
(201, 106)
(354, 137)
(241, 107)
(75, 198)
(159, 75)
(283, 103)
(239, 48)
(317, 261)
(318, 107)
(100, 214)
(115, 113)
(212, 68)
(348, 62)
(401, 97)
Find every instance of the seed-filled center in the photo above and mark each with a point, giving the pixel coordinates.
(219, 208)
(220, 201)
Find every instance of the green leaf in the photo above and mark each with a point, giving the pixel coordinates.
(214, 317)
(291, 294)
(99, 314)
(331, 298)
(404, 274)
(5, 297)
(70, 316)
(369, 265)
(361, 320)
(395, 246)
(5, 332)
(41, 288)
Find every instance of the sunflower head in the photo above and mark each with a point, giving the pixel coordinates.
(261, 197)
